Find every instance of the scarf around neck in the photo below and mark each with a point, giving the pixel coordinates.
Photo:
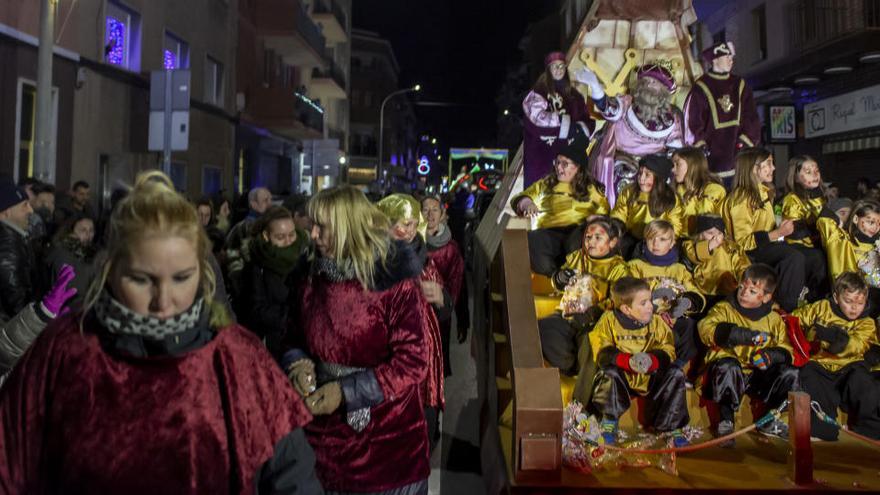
(279, 260)
(666, 260)
(116, 318)
(440, 239)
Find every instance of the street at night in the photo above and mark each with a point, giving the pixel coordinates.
(401, 247)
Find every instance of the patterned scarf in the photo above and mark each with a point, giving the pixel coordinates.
(332, 271)
(118, 319)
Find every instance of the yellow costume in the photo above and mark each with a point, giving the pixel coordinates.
(725, 312)
(654, 274)
(743, 221)
(558, 206)
(656, 335)
(707, 201)
(862, 332)
(637, 216)
(842, 250)
(603, 273)
(796, 209)
(718, 272)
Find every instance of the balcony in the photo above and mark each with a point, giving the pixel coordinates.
(286, 113)
(818, 23)
(332, 19)
(329, 82)
(287, 29)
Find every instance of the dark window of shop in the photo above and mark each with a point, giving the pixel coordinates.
(26, 131)
(759, 26)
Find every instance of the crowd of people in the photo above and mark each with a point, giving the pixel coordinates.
(164, 347)
(680, 264)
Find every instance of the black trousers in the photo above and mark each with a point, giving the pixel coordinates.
(816, 272)
(549, 247)
(560, 342)
(852, 389)
(685, 333)
(789, 264)
(666, 400)
(726, 384)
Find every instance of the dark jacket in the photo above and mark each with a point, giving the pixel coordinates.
(16, 272)
(82, 259)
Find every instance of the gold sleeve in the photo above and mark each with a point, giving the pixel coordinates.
(715, 193)
(533, 192)
(793, 208)
(663, 339)
(602, 335)
(676, 216)
(618, 272)
(860, 337)
(779, 335)
(621, 207)
(737, 217)
(706, 326)
(839, 250)
(807, 315)
(600, 201)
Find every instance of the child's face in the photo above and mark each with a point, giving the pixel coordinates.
(597, 243)
(646, 180)
(869, 223)
(852, 303)
(751, 294)
(661, 243)
(566, 169)
(708, 235)
(405, 230)
(809, 175)
(679, 168)
(641, 309)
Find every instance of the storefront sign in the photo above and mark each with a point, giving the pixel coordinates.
(783, 126)
(847, 112)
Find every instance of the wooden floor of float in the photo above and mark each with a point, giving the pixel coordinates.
(756, 463)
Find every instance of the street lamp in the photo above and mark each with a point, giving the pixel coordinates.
(416, 88)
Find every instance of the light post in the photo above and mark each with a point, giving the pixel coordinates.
(416, 88)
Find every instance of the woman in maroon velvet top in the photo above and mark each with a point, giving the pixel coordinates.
(360, 328)
(151, 389)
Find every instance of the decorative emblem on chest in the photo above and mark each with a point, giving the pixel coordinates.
(725, 103)
(556, 102)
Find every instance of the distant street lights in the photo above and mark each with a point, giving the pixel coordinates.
(379, 166)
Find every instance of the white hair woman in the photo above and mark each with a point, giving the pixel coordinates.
(150, 389)
(361, 329)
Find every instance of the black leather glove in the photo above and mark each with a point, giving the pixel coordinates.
(562, 277)
(730, 335)
(836, 337)
(872, 355)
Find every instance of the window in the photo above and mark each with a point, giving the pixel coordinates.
(122, 37)
(178, 176)
(213, 81)
(759, 24)
(176, 53)
(212, 180)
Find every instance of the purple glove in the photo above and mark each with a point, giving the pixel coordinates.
(54, 300)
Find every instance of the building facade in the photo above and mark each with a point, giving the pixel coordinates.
(292, 93)
(375, 74)
(815, 70)
(104, 53)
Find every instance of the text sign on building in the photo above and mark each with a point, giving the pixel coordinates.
(847, 112)
(783, 126)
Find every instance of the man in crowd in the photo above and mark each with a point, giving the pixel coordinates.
(16, 255)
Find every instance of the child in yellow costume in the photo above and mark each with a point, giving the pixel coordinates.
(840, 332)
(749, 352)
(701, 192)
(802, 205)
(718, 262)
(634, 350)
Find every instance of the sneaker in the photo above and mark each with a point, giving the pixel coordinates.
(775, 428)
(678, 438)
(609, 431)
(726, 428)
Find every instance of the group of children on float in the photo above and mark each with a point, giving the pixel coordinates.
(692, 285)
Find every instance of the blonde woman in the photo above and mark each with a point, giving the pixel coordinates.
(361, 332)
(149, 390)
(748, 215)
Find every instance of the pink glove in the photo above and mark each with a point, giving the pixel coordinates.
(54, 300)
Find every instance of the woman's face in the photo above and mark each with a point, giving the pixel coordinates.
(764, 170)
(679, 169)
(204, 212)
(405, 230)
(281, 233)
(557, 70)
(597, 242)
(322, 235)
(84, 231)
(646, 180)
(869, 223)
(433, 213)
(661, 243)
(566, 169)
(809, 176)
(159, 278)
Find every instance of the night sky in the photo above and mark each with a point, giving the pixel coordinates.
(459, 50)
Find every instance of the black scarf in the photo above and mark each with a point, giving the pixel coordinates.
(279, 260)
(753, 314)
(627, 322)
